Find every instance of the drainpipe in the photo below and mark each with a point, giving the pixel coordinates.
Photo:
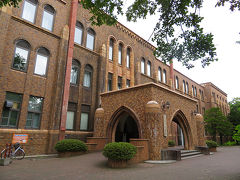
(72, 23)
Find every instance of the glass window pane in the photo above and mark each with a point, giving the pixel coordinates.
(47, 21)
(29, 10)
(143, 66)
(84, 121)
(90, 41)
(70, 120)
(74, 74)
(36, 120)
(29, 119)
(13, 118)
(164, 77)
(78, 35)
(87, 79)
(111, 50)
(120, 54)
(4, 121)
(41, 65)
(128, 59)
(149, 69)
(14, 97)
(35, 104)
(20, 59)
(159, 74)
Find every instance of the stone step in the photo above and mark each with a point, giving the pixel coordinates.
(188, 157)
(190, 154)
(188, 151)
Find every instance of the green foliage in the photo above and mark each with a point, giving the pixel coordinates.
(119, 151)
(230, 143)
(171, 143)
(13, 3)
(236, 135)
(211, 143)
(234, 115)
(217, 123)
(71, 145)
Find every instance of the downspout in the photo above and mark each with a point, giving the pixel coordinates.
(72, 24)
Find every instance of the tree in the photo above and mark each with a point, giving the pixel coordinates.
(217, 123)
(236, 135)
(13, 3)
(234, 115)
(189, 45)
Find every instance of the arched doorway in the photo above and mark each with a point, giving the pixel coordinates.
(123, 126)
(180, 131)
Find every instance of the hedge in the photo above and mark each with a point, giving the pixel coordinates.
(71, 145)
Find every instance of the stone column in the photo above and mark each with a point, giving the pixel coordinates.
(200, 130)
(115, 66)
(99, 130)
(152, 129)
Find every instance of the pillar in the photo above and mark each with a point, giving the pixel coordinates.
(200, 130)
(99, 129)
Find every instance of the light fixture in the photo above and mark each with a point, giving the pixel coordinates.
(165, 105)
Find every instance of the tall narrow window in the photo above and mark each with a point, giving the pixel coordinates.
(29, 10)
(128, 58)
(75, 72)
(184, 87)
(87, 76)
(160, 74)
(110, 75)
(34, 112)
(111, 50)
(187, 88)
(78, 33)
(143, 66)
(72, 107)
(149, 68)
(128, 83)
(90, 39)
(120, 54)
(119, 82)
(11, 110)
(21, 55)
(85, 117)
(176, 82)
(195, 91)
(48, 17)
(164, 76)
(41, 61)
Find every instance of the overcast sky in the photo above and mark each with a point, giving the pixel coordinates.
(225, 26)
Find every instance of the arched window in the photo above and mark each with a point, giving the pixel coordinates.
(29, 10)
(48, 17)
(143, 65)
(164, 76)
(184, 87)
(21, 55)
(78, 33)
(187, 88)
(149, 68)
(195, 91)
(128, 58)
(160, 74)
(176, 82)
(90, 39)
(120, 54)
(87, 76)
(74, 79)
(41, 61)
(111, 49)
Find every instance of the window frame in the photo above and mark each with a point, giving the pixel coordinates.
(176, 82)
(88, 68)
(35, 14)
(159, 74)
(111, 45)
(119, 82)
(120, 53)
(80, 28)
(47, 64)
(87, 110)
(184, 86)
(128, 83)
(77, 64)
(164, 76)
(149, 69)
(128, 58)
(110, 80)
(143, 71)
(53, 15)
(90, 31)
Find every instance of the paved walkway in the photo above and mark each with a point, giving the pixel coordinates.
(223, 165)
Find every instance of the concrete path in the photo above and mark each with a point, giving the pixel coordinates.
(223, 165)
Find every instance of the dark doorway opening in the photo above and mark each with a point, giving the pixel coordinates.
(126, 129)
(177, 133)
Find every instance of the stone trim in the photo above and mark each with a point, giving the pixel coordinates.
(82, 47)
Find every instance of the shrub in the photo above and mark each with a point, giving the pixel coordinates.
(211, 143)
(171, 143)
(119, 151)
(71, 145)
(230, 143)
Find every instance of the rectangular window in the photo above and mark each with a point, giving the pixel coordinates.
(90, 41)
(74, 74)
(70, 120)
(110, 75)
(128, 58)
(128, 83)
(160, 74)
(34, 112)
(119, 82)
(214, 97)
(47, 21)
(87, 79)
(78, 36)
(85, 117)
(111, 50)
(41, 65)
(142, 66)
(11, 110)
(120, 54)
(149, 69)
(20, 59)
(29, 11)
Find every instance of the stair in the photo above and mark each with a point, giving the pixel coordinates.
(186, 154)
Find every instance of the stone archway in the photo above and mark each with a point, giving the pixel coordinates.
(123, 125)
(182, 123)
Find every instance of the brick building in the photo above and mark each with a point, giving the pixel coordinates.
(56, 69)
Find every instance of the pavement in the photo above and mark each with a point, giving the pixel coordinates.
(222, 165)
